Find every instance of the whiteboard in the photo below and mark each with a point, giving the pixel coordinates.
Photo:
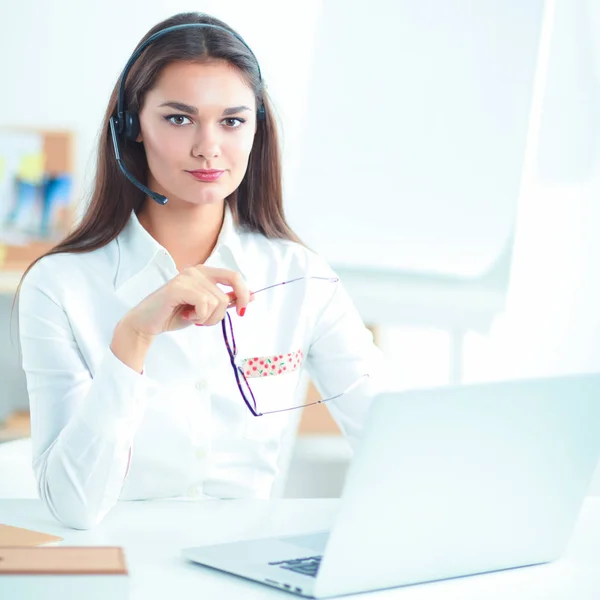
(413, 142)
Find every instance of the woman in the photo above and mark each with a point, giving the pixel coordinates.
(134, 392)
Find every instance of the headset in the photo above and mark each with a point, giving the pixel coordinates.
(127, 123)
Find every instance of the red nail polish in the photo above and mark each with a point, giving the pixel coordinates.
(242, 311)
(199, 324)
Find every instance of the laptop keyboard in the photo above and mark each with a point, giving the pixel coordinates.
(306, 566)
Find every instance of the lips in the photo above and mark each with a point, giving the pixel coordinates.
(206, 175)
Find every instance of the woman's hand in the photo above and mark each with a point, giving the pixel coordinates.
(192, 297)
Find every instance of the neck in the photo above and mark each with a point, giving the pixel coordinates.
(187, 231)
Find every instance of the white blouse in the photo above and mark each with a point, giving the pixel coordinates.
(103, 432)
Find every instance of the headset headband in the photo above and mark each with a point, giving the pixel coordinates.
(158, 35)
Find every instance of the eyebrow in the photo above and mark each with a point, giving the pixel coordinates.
(192, 110)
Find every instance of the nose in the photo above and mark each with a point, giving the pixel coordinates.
(207, 144)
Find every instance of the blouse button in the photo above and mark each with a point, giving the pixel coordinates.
(201, 385)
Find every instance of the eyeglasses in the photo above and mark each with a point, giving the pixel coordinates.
(240, 377)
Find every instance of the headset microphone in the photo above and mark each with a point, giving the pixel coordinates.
(154, 195)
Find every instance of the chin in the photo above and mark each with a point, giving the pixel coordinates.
(215, 196)
(194, 195)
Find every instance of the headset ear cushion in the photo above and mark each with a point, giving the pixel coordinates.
(132, 126)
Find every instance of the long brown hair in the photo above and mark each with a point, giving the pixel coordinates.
(256, 205)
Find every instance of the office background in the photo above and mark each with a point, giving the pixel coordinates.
(442, 155)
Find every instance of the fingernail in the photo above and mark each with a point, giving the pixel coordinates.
(199, 324)
(242, 311)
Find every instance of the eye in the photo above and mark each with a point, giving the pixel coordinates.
(177, 120)
(230, 122)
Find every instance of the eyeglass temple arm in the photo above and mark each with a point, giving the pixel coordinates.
(353, 385)
(331, 279)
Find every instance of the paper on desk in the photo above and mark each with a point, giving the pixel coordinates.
(16, 536)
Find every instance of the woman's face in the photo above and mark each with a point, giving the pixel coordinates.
(198, 117)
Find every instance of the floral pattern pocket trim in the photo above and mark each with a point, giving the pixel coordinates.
(276, 364)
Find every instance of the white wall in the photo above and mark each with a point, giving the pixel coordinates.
(415, 143)
(552, 320)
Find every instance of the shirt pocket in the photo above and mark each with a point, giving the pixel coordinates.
(273, 379)
(272, 365)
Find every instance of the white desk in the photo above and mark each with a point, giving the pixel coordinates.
(153, 533)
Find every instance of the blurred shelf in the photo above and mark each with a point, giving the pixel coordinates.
(14, 260)
(15, 427)
(17, 257)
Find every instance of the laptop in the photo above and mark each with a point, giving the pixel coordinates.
(445, 482)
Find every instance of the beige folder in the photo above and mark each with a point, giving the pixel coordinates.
(64, 560)
(15, 536)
